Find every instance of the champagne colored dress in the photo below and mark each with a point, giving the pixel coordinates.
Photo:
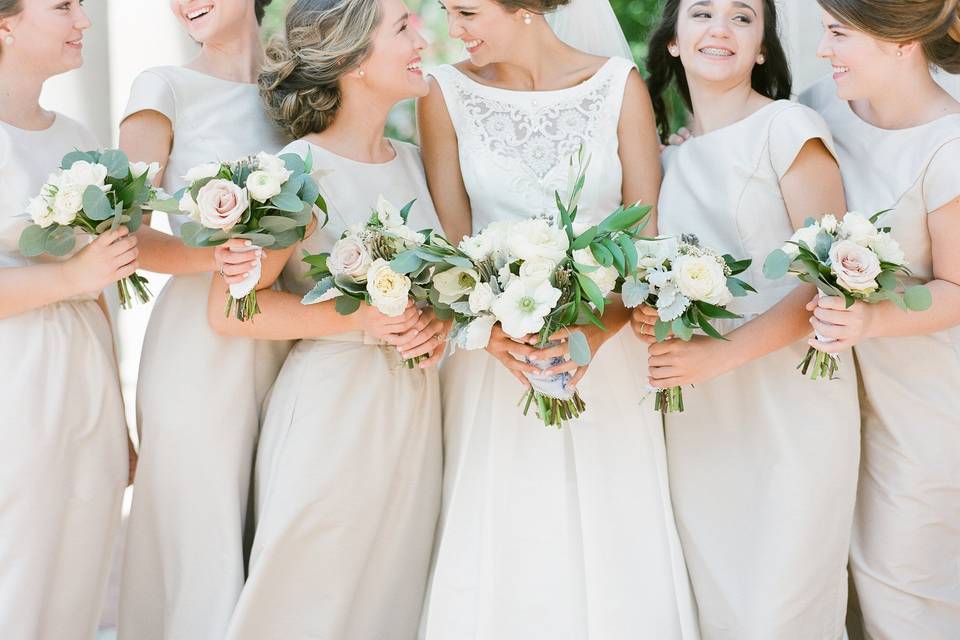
(763, 462)
(905, 554)
(64, 453)
(199, 395)
(349, 459)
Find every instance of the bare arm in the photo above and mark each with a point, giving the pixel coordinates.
(441, 161)
(148, 136)
(639, 149)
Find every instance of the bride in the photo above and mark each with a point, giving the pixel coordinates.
(559, 534)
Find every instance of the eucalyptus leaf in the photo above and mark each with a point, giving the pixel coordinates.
(190, 232)
(277, 224)
(918, 298)
(116, 162)
(681, 329)
(294, 163)
(347, 305)
(60, 241)
(406, 262)
(95, 204)
(579, 348)
(76, 156)
(661, 330)
(777, 264)
(259, 239)
(287, 202)
(32, 240)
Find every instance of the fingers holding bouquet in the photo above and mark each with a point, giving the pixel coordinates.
(839, 326)
(236, 259)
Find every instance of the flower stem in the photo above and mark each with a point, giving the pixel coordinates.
(825, 365)
(243, 309)
(553, 412)
(669, 400)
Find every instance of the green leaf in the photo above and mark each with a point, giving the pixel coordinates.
(623, 219)
(918, 298)
(277, 224)
(592, 291)
(460, 261)
(322, 287)
(32, 240)
(681, 330)
(738, 287)
(629, 252)
(259, 239)
(316, 260)
(887, 280)
(190, 232)
(95, 204)
(198, 185)
(347, 305)
(584, 239)
(309, 191)
(405, 211)
(713, 311)
(282, 239)
(287, 202)
(708, 329)
(579, 348)
(116, 162)
(822, 245)
(601, 254)
(406, 262)
(619, 260)
(661, 330)
(295, 163)
(75, 156)
(777, 265)
(60, 241)
(166, 205)
(135, 192)
(737, 266)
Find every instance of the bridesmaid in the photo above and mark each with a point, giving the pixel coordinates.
(763, 462)
(348, 471)
(904, 155)
(199, 394)
(64, 459)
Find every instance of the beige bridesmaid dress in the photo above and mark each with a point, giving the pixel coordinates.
(905, 555)
(63, 461)
(763, 462)
(349, 458)
(199, 395)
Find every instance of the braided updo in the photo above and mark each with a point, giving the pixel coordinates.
(323, 40)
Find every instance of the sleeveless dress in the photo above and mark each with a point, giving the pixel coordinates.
(905, 554)
(349, 460)
(763, 462)
(64, 455)
(198, 395)
(551, 534)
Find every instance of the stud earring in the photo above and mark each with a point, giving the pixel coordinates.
(761, 59)
(527, 18)
(8, 40)
(899, 53)
(361, 73)
(674, 51)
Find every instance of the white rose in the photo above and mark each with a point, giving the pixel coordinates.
(806, 235)
(888, 249)
(476, 335)
(388, 214)
(535, 271)
(209, 170)
(855, 266)
(604, 277)
(857, 228)
(84, 174)
(521, 309)
(455, 283)
(137, 169)
(389, 291)
(273, 165)
(829, 223)
(262, 185)
(67, 203)
(221, 204)
(481, 297)
(537, 238)
(188, 206)
(477, 248)
(701, 278)
(350, 257)
(40, 211)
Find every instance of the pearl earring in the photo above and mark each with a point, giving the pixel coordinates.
(8, 40)
(527, 18)
(761, 59)
(899, 53)
(674, 51)
(361, 73)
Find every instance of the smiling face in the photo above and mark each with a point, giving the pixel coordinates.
(719, 41)
(861, 64)
(485, 27)
(393, 66)
(209, 20)
(48, 36)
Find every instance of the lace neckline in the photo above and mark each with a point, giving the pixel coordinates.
(598, 74)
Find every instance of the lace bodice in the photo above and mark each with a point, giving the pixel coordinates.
(515, 146)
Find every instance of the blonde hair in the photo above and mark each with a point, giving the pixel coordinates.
(935, 24)
(323, 40)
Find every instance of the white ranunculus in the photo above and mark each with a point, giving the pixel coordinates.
(137, 169)
(521, 309)
(481, 297)
(538, 238)
(67, 203)
(84, 174)
(806, 235)
(221, 204)
(40, 212)
(388, 214)
(535, 271)
(476, 335)
(389, 291)
(888, 249)
(455, 283)
(604, 277)
(262, 185)
(701, 278)
(653, 253)
(829, 223)
(209, 170)
(350, 257)
(855, 266)
(273, 165)
(857, 228)
(188, 206)
(477, 248)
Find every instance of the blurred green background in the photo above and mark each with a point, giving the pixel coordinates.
(637, 17)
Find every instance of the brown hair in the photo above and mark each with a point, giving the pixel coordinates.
(260, 7)
(324, 40)
(935, 24)
(533, 6)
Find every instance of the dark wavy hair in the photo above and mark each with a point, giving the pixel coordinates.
(260, 7)
(772, 78)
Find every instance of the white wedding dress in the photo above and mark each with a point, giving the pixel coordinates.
(551, 534)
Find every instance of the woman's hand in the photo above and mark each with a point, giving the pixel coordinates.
(506, 350)
(380, 326)
(235, 266)
(112, 256)
(833, 320)
(643, 321)
(596, 337)
(675, 363)
(427, 337)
